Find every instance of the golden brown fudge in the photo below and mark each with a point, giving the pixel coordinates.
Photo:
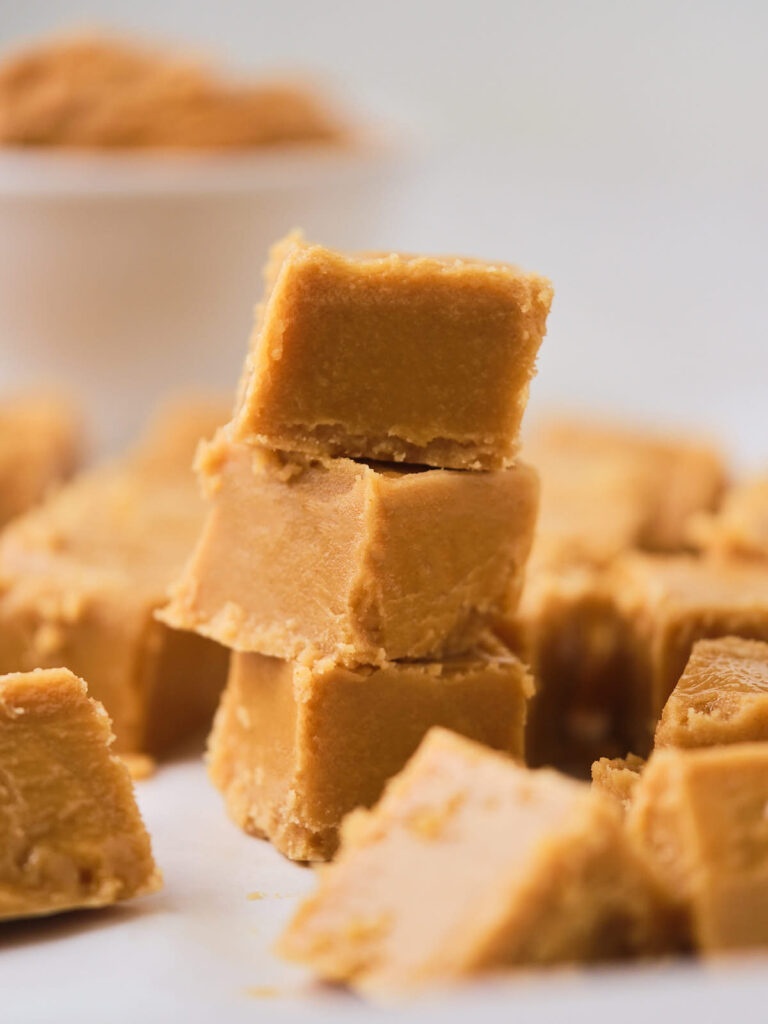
(39, 449)
(294, 749)
(97, 92)
(722, 697)
(81, 578)
(667, 605)
(699, 818)
(617, 777)
(70, 833)
(361, 563)
(739, 528)
(606, 487)
(392, 357)
(471, 863)
(568, 630)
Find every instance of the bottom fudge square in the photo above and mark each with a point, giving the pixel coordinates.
(699, 817)
(70, 832)
(722, 697)
(472, 863)
(294, 749)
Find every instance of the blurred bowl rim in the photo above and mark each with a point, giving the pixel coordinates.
(58, 171)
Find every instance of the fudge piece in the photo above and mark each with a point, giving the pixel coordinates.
(361, 563)
(470, 863)
(617, 777)
(95, 91)
(568, 630)
(722, 697)
(627, 487)
(80, 580)
(739, 528)
(294, 749)
(39, 448)
(70, 833)
(392, 357)
(667, 604)
(699, 818)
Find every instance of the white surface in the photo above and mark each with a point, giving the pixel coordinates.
(199, 951)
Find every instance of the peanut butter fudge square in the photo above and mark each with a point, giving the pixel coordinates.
(362, 563)
(392, 357)
(472, 863)
(722, 697)
(295, 748)
(698, 816)
(81, 578)
(70, 833)
(618, 777)
(739, 527)
(634, 481)
(40, 447)
(667, 605)
(568, 630)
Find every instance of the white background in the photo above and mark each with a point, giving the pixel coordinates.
(618, 147)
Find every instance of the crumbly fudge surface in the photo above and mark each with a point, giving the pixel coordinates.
(392, 357)
(617, 777)
(641, 489)
(99, 92)
(70, 833)
(667, 604)
(39, 448)
(471, 863)
(698, 816)
(295, 749)
(81, 576)
(363, 563)
(722, 697)
(739, 527)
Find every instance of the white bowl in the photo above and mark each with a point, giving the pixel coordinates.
(126, 276)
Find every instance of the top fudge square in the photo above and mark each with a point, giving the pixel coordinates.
(392, 357)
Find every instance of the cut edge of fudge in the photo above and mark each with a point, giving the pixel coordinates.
(54, 868)
(721, 697)
(517, 917)
(397, 442)
(378, 603)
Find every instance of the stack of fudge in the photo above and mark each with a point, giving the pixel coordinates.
(369, 522)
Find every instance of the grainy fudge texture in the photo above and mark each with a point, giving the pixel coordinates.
(739, 528)
(617, 777)
(362, 563)
(98, 92)
(295, 749)
(70, 832)
(392, 357)
(699, 819)
(722, 697)
(670, 603)
(81, 577)
(39, 448)
(471, 863)
(605, 487)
